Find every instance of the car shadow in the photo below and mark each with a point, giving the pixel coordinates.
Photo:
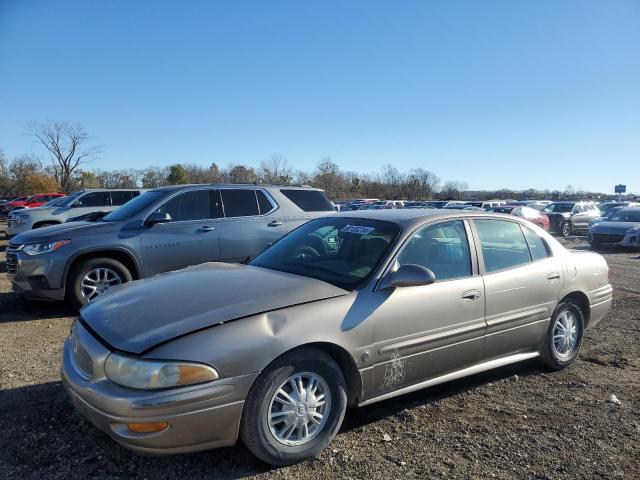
(49, 435)
(16, 309)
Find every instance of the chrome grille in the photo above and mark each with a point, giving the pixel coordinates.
(81, 357)
(11, 259)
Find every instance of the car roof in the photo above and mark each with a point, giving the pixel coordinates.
(236, 185)
(412, 216)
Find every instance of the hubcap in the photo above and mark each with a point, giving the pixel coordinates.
(299, 409)
(97, 282)
(565, 335)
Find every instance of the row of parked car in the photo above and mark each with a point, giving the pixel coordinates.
(114, 236)
(312, 311)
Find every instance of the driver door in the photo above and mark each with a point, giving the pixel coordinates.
(426, 331)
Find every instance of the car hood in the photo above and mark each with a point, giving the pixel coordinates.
(63, 231)
(139, 315)
(613, 227)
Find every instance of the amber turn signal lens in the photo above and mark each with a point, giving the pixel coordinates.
(147, 427)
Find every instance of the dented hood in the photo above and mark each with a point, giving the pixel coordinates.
(140, 315)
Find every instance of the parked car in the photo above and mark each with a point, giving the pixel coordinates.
(356, 204)
(429, 204)
(621, 229)
(77, 204)
(387, 204)
(607, 206)
(274, 351)
(530, 214)
(31, 202)
(484, 205)
(570, 218)
(462, 206)
(163, 229)
(605, 216)
(6, 207)
(539, 205)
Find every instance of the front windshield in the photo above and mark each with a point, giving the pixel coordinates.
(342, 251)
(135, 206)
(628, 216)
(559, 207)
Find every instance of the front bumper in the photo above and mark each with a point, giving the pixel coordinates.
(36, 276)
(200, 417)
(14, 227)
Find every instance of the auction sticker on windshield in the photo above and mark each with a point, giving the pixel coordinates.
(357, 229)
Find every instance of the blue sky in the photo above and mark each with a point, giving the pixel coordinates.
(494, 93)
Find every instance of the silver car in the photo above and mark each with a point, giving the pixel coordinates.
(75, 205)
(345, 310)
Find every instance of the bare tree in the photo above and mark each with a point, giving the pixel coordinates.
(67, 145)
(276, 170)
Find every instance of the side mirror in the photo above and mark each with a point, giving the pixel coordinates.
(157, 217)
(411, 275)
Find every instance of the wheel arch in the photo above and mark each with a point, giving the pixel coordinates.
(344, 360)
(581, 299)
(122, 255)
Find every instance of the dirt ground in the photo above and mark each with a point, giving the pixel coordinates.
(516, 422)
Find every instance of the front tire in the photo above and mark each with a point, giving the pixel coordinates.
(565, 229)
(94, 277)
(294, 408)
(564, 336)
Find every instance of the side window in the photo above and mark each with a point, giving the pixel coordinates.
(95, 199)
(442, 247)
(193, 205)
(517, 211)
(239, 203)
(577, 209)
(537, 245)
(120, 198)
(503, 244)
(263, 202)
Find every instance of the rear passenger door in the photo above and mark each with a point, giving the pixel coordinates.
(251, 221)
(190, 238)
(522, 282)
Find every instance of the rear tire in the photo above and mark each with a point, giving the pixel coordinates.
(564, 336)
(79, 272)
(260, 431)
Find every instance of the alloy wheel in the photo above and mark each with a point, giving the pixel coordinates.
(299, 409)
(565, 335)
(98, 281)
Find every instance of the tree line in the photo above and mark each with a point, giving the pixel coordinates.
(69, 151)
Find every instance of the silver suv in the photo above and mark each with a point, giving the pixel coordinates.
(163, 229)
(77, 204)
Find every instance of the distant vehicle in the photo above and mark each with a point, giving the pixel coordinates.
(538, 205)
(387, 204)
(569, 218)
(463, 206)
(78, 204)
(606, 206)
(534, 216)
(430, 204)
(621, 229)
(356, 204)
(604, 217)
(33, 201)
(484, 205)
(163, 229)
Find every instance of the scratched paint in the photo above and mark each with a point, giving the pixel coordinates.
(394, 372)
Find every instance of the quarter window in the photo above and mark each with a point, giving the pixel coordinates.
(309, 200)
(503, 244)
(193, 205)
(263, 202)
(239, 203)
(443, 248)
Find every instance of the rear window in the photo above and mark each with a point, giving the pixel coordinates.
(308, 200)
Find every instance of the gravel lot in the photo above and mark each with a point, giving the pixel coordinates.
(516, 422)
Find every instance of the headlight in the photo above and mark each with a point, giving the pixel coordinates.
(37, 248)
(153, 374)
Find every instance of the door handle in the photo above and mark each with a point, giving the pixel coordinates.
(470, 295)
(274, 223)
(553, 276)
(207, 229)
